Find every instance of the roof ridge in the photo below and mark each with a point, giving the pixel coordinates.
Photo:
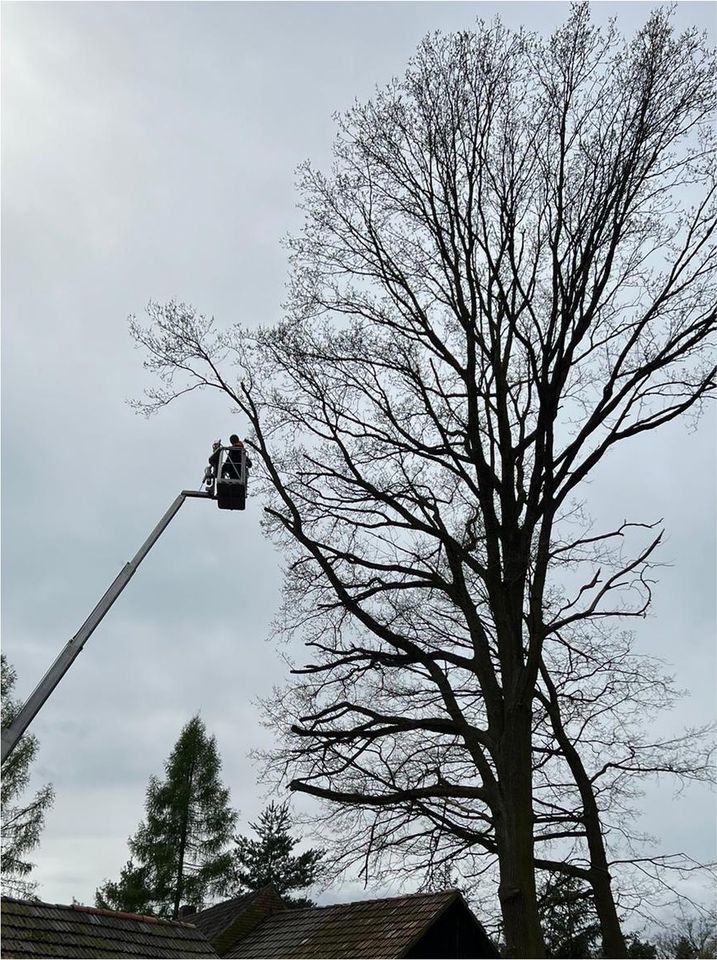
(124, 915)
(223, 903)
(400, 896)
(99, 911)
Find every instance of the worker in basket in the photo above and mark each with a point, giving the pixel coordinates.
(211, 471)
(232, 465)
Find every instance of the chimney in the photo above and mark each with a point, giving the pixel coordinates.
(186, 911)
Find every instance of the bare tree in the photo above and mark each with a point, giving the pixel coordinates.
(508, 271)
(691, 935)
(596, 747)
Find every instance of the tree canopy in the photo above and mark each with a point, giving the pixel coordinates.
(180, 850)
(22, 819)
(270, 858)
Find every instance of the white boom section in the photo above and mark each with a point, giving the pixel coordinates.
(11, 734)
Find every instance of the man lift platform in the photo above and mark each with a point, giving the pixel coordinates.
(227, 474)
(226, 481)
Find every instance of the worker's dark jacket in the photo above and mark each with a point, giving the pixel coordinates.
(214, 461)
(232, 464)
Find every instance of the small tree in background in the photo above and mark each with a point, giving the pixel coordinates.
(22, 823)
(640, 949)
(570, 924)
(567, 917)
(693, 937)
(269, 859)
(131, 893)
(179, 851)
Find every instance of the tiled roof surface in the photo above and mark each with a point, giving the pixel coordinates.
(34, 929)
(214, 919)
(227, 923)
(369, 928)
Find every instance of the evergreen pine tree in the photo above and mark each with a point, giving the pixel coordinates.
(132, 893)
(269, 859)
(638, 949)
(22, 822)
(570, 924)
(568, 918)
(179, 853)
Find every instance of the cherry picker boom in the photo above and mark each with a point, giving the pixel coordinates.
(227, 484)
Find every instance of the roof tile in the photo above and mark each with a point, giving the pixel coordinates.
(368, 928)
(35, 929)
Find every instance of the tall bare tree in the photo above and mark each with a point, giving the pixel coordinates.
(508, 271)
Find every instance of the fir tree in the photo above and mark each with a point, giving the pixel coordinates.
(269, 859)
(179, 850)
(132, 893)
(568, 919)
(639, 949)
(22, 823)
(570, 924)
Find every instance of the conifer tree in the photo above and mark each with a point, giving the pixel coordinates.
(179, 853)
(269, 859)
(570, 923)
(567, 916)
(132, 893)
(22, 822)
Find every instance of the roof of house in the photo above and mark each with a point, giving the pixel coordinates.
(227, 923)
(215, 919)
(367, 928)
(34, 929)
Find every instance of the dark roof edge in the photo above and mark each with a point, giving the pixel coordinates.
(457, 895)
(246, 899)
(215, 908)
(449, 903)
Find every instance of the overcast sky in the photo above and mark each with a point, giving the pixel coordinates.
(148, 152)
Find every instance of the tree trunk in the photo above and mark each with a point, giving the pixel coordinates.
(613, 941)
(514, 836)
(181, 853)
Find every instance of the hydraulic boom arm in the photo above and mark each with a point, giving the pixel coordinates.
(11, 734)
